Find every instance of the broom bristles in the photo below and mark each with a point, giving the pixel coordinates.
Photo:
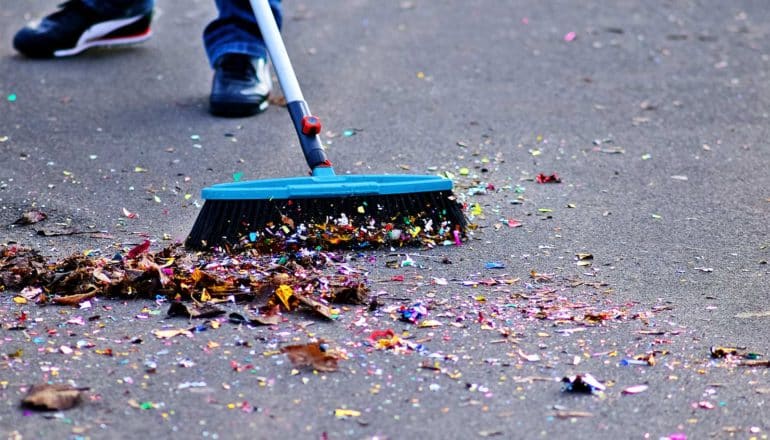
(327, 223)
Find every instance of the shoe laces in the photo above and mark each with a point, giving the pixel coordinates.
(71, 9)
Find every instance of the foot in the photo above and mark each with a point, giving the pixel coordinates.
(241, 86)
(74, 28)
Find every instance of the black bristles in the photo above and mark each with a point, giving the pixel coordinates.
(356, 221)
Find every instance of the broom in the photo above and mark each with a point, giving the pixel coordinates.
(324, 210)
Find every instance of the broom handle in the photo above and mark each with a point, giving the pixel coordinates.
(306, 125)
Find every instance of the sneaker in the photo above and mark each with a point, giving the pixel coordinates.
(75, 27)
(241, 86)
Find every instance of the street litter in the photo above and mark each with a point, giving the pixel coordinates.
(582, 383)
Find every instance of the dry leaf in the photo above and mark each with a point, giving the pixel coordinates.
(203, 311)
(237, 318)
(311, 355)
(265, 320)
(74, 300)
(277, 100)
(317, 306)
(357, 294)
(139, 249)
(170, 333)
(30, 218)
(52, 397)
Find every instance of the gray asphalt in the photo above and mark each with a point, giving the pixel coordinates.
(654, 114)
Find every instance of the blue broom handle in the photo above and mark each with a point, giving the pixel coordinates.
(315, 156)
(277, 50)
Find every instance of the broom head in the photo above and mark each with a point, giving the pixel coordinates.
(328, 211)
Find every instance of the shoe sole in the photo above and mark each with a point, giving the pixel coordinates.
(236, 109)
(104, 34)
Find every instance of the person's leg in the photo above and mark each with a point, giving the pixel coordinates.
(237, 53)
(235, 30)
(80, 24)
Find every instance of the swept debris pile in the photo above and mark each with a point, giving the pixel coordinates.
(311, 280)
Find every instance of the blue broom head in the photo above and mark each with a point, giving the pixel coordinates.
(329, 211)
(326, 186)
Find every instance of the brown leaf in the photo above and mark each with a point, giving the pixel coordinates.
(266, 320)
(277, 100)
(317, 306)
(52, 397)
(351, 295)
(237, 318)
(74, 300)
(202, 311)
(31, 217)
(311, 355)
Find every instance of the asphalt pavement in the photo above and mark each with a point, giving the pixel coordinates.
(653, 115)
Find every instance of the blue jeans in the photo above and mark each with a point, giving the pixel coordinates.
(235, 30)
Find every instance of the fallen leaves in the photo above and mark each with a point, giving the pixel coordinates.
(52, 397)
(290, 283)
(314, 354)
(20, 267)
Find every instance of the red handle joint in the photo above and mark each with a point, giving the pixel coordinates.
(311, 125)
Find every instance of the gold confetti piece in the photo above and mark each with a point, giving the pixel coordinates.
(346, 413)
(284, 292)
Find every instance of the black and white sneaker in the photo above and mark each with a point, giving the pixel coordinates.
(241, 86)
(75, 28)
